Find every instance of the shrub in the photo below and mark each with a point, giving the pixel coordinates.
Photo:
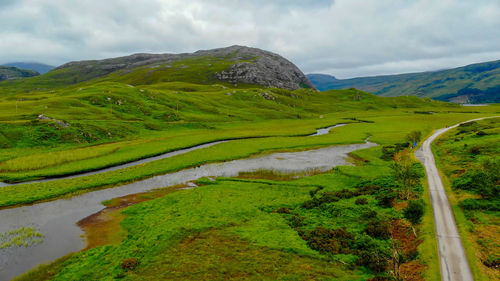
(130, 264)
(296, 221)
(332, 241)
(414, 211)
(413, 136)
(361, 201)
(377, 228)
(386, 198)
(283, 210)
(475, 150)
(479, 204)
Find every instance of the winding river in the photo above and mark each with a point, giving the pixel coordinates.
(56, 220)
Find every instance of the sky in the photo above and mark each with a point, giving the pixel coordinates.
(344, 38)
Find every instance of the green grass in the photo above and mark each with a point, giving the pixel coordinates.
(21, 237)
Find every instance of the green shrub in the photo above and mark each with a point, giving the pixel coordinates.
(361, 201)
(130, 264)
(377, 228)
(414, 211)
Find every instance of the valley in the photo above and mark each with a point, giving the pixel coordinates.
(221, 164)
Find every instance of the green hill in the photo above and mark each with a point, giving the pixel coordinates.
(476, 83)
(10, 72)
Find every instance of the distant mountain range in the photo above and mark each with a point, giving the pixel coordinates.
(10, 72)
(38, 67)
(475, 83)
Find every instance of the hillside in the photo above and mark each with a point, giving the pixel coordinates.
(10, 72)
(235, 65)
(476, 83)
(38, 67)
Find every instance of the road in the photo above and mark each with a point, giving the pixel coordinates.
(452, 258)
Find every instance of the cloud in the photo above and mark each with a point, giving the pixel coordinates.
(345, 38)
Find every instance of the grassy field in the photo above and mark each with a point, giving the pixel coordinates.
(461, 155)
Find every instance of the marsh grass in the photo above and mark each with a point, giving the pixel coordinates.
(21, 237)
(279, 175)
(50, 159)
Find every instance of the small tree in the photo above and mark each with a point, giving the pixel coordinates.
(413, 136)
(406, 175)
(414, 213)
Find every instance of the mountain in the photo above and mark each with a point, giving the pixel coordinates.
(476, 83)
(38, 67)
(232, 65)
(10, 72)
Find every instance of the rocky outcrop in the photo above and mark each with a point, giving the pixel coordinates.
(267, 69)
(251, 66)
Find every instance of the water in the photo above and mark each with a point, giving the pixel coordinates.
(324, 131)
(475, 104)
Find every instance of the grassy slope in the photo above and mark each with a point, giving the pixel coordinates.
(478, 228)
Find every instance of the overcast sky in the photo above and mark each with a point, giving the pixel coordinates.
(345, 38)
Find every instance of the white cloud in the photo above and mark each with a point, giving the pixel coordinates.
(345, 38)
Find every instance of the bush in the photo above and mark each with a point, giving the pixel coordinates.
(331, 241)
(386, 198)
(377, 228)
(328, 197)
(361, 201)
(130, 264)
(480, 204)
(414, 211)
(296, 221)
(475, 150)
(283, 210)
(413, 136)
(483, 182)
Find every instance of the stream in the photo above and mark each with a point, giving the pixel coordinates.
(57, 219)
